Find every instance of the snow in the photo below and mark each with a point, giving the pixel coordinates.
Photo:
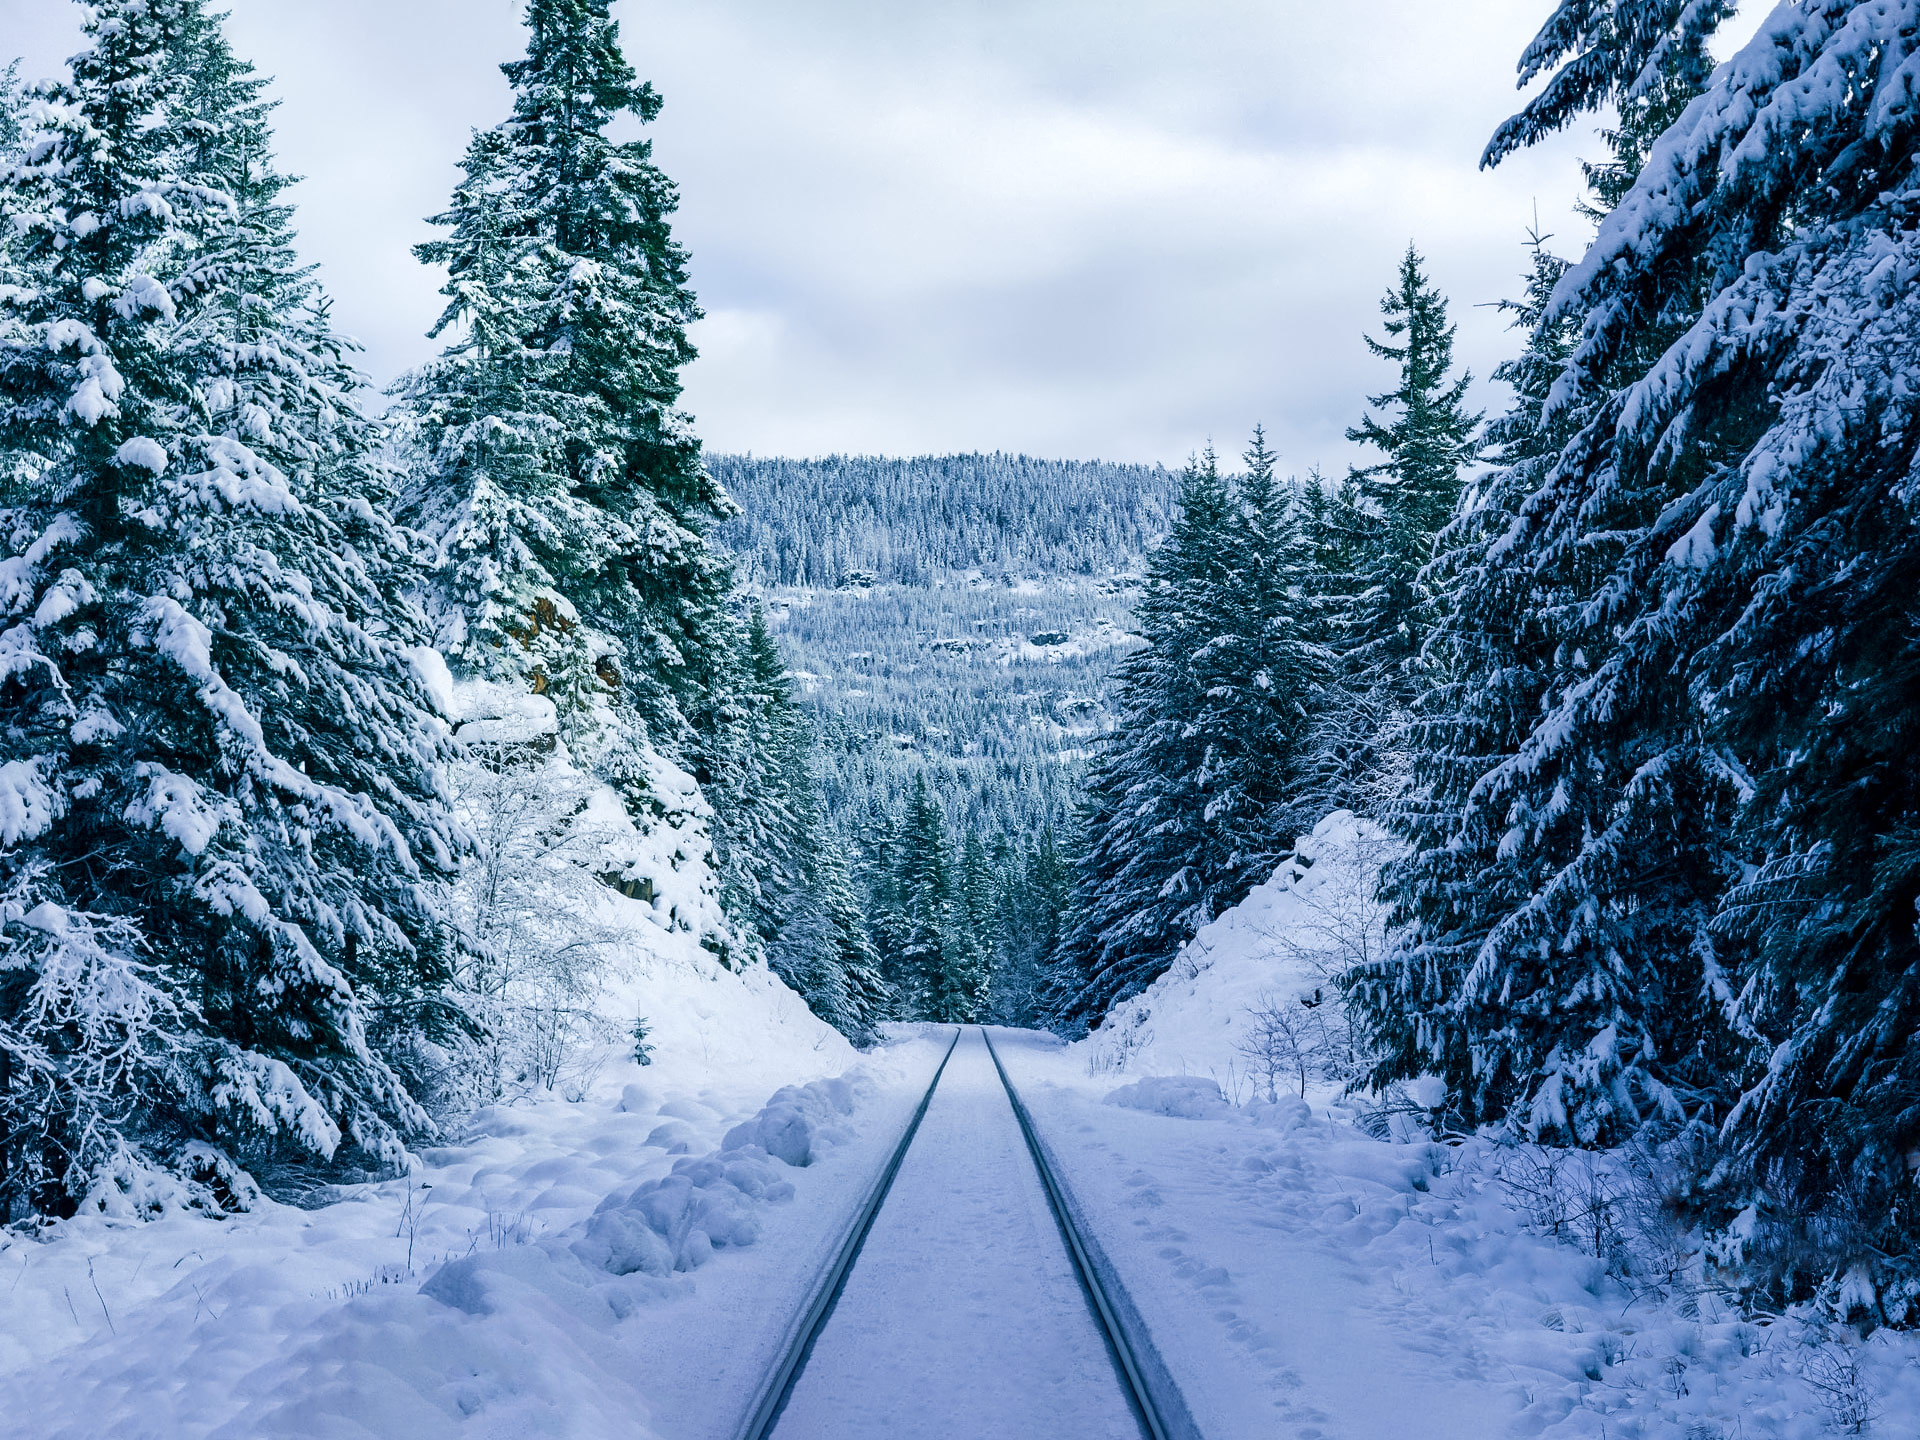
(431, 668)
(509, 1286)
(1696, 549)
(964, 1294)
(1188, 1097)
(180, 808)
(1281, 942)
(533, 1274)
(27, 804)
(1301, 1278)
(145, 453)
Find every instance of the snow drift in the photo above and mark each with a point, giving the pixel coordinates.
(1279, 947)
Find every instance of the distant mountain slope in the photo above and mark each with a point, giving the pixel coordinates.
(955, 616)
(956, 620)
(950, 681)
(868, 519)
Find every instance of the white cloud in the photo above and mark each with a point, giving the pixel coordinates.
(1052, 225)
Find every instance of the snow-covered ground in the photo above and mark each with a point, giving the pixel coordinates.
(623, 1266)
(627, 1264)
(1302, 1278)
(1284, 942)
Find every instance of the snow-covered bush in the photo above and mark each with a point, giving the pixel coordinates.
(529, 903)
(86, 1033)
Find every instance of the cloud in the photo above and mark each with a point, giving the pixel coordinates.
(1050, 225)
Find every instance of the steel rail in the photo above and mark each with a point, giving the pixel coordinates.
(1156, 1399)
(771, 1398)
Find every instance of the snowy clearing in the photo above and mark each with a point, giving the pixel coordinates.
(507, 1288)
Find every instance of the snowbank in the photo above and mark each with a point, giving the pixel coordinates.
(559, 1270)
(1301, 1278)
(1188, 1097)
(1283, 942)
(535, 1276)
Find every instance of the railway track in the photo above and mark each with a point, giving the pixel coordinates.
(1153, 1407)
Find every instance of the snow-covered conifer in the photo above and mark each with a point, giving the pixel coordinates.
(963, 983)
(557, 478)
(822, 949)
(1716, 800)
(917, 899)
(1425, 435)
(221, 775)
(1186, 800)
(1367, 540)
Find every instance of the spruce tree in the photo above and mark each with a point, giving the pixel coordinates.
(1186, 800)
(758, 776)
(1034, 905)
(1715, 804)
(564, 494)
(963, 983)
(1140, 892)
(922, 897)
(226, 827)
(1367, 541)
(821, 947)
(1425, 438)
(1610, 1022)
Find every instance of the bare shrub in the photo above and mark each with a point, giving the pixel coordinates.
(1569, 1194)
(1834, 1373)
(527, 903)
(1278, 1047)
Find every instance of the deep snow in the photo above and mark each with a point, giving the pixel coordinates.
(628, 1265)
(1302, 1278)
(482, 1296)
(962, 1315)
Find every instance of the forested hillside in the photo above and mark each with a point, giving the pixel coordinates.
(862, 519)
(952, 622)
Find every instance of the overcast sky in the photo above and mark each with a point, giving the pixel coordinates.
(1111, 228)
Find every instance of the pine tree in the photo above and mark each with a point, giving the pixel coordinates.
(963, 982)
(821, 946)
(1139, 892)
(1186, 801)
(1715, 804)
(564, 493)
(923, 887)
(1261, 678)
(759, 779)
(12, 112)
(1594, 1033)
(1369, 540)
(1427, 438)
(1034, 904)
(1614, 51)
(226, 827)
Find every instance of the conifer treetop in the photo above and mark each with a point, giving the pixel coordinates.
(1605, 50)
(1427, 435)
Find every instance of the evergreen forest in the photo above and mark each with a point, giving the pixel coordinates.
(1629, 667)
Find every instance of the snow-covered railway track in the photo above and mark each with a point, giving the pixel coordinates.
(1157, 1401)
(772, 1396)
(966, 1297)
